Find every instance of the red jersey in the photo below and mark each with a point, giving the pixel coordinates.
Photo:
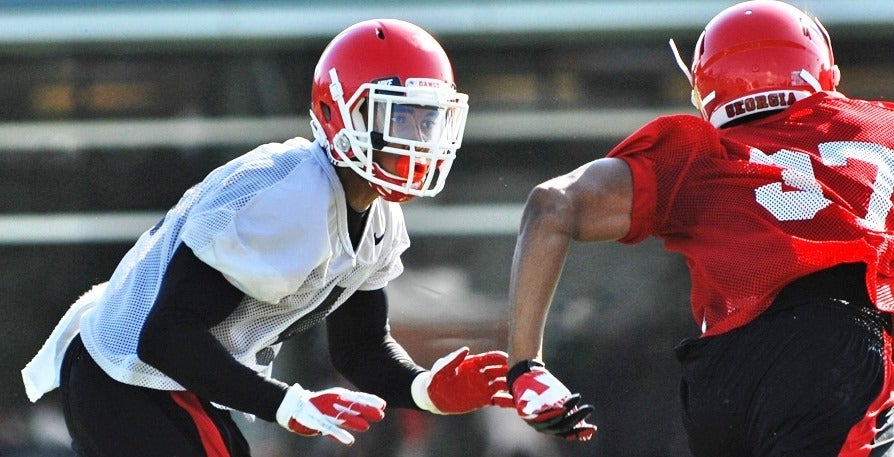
(756, 206)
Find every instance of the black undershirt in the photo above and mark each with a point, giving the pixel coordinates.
(195, 297)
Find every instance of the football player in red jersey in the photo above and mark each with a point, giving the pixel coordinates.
(275, 241)
(779, 196)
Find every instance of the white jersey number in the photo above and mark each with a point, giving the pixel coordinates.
(807, 199)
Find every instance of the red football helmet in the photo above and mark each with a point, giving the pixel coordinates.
(387, 85)
(757, 56)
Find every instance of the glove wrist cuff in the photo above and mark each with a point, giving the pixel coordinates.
(521, 368)
(419, 391)
(295, 397)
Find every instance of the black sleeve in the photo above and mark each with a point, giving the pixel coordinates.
(364, 352)
(176, 340)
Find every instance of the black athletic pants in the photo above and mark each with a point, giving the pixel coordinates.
(808, 378)
(108, 418)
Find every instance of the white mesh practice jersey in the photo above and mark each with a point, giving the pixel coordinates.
(273, 221)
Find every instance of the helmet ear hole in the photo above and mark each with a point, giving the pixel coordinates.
(327, 112)
(701, 47)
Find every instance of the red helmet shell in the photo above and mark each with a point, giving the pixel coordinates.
(371, 51)
(759, 55)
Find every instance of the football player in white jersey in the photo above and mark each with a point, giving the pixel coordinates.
(286, 236)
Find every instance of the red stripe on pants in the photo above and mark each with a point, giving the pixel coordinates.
(208, 432)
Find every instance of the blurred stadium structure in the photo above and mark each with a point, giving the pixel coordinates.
(110, 109)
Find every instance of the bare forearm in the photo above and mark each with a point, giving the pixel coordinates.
(592, 203)
(537, 265)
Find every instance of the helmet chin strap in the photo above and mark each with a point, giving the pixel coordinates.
(810, 80)
(317, 129)
(335, 152)
(697, 101)
(341, 141)
(680, 63)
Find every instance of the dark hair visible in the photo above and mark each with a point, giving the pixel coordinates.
(750, 117)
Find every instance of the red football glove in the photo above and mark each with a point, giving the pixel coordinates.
(459, 383)
(330, 412)
(546, 404)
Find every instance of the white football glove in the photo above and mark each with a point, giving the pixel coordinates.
(331, 412)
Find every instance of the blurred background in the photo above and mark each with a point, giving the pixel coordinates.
(110, 109)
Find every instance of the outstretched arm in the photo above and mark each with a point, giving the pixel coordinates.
(363, 351)
(591, 203)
